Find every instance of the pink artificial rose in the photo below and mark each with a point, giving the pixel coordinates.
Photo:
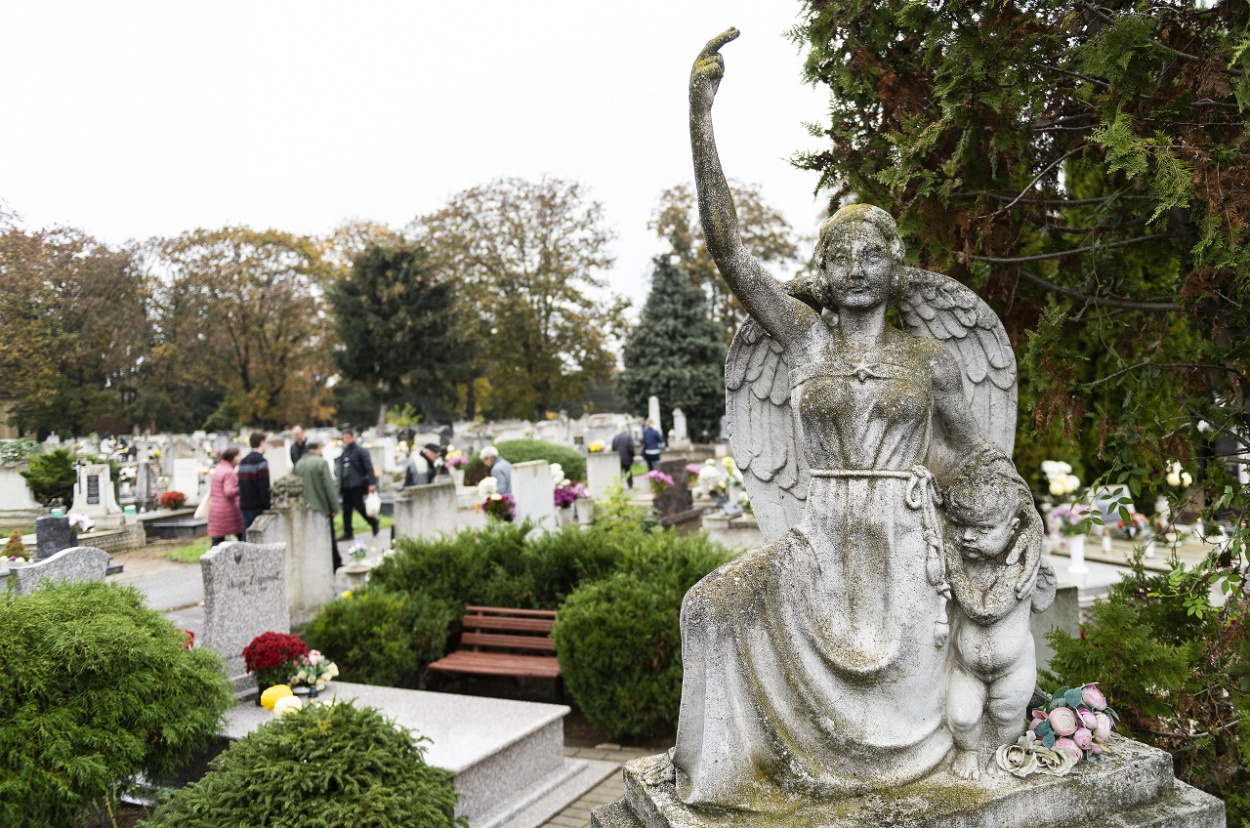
(1063, 721)
(1087, 718)
(1093, 697)
(1084, 738)
(315, 657)
(1096, 749)
(1072, 748)
(1102, 731)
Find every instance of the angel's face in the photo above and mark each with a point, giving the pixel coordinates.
(858, 267)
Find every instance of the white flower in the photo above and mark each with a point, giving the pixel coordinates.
(557, 474)
(1056, 488)
(1173, 479)
(487, 487)
(1187, 479)
(315, 657)
(1070, 483)
(287, 704)
(321, 684)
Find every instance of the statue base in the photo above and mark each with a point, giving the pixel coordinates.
(1132, 787)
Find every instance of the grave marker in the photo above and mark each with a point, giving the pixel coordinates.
(78, 563)
(244, 596)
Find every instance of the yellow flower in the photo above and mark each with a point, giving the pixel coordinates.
(272, 694)
(346, 595)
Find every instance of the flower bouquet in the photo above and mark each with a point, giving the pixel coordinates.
(659, 481)
(567, 493)
(80, 522)
(595, 447)
(500, 507)
(273, 657)
(455, 458)
(313, 671)
(1177, 477)
(1060, 480)
(1069, 519)
(1074, 727)
(171, 500)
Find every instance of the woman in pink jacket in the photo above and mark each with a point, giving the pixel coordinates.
(224, 517)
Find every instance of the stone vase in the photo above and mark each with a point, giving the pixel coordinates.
(457, 476)
(585, 511)
(565, 516)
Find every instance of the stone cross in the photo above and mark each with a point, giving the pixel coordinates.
(78, 563)
(244, 596)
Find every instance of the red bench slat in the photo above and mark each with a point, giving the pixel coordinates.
(498, 664)
(501, 628)
(518, 642)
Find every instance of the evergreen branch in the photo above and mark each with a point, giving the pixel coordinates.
(1227, 432)
(1061, 253)
(1170, 365)
(1038, 178)
(1053, 202)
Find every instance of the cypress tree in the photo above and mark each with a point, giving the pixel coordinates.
(676, 352)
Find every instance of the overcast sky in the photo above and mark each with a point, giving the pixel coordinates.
(139, 119)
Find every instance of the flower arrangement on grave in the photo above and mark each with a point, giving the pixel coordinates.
(596, 447)
(1069, 519)
(1137, 526)
(455, 458)
(80, 522)
(659, 482)
(500, 507)
(273, 657)
(568, 493)
(357, 551)
(1073, 728)
(171, 500)
(128, 474)
(692, 474)
(154, 454)
(313, 671)
(1060, 480)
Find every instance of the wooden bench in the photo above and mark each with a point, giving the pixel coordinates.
(498, 641)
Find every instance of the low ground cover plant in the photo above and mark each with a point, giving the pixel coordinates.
(94, 688)
(329, 765)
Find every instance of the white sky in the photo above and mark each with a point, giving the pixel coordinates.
(139, 119)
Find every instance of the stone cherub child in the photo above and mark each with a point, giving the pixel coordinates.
(993, 542)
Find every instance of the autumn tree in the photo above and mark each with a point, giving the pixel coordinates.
(529, 258)
(242, 309)
(396, 318)
(676, 352)
(764, 230)
(73, 331)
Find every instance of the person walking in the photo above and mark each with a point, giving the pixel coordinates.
(356, 479)
(652, 442)
(253, 474)
(319, 493)
(299, 444)
(224, 516)
(623, 444)
(500, 469)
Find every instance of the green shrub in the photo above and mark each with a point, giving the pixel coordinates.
(522, 451)
(619, 639)
(1176, 669)
(329, 765)
(95, 687)
(13, 452)
(52, 475)
(382, 637)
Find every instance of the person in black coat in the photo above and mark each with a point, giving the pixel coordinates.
(253, 474)
(356, 479)
(299, 444)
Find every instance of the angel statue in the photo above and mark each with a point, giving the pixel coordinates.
(817, 666)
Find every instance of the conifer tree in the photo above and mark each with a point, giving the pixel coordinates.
(676, 352)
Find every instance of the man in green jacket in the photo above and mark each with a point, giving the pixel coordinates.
(319, 490)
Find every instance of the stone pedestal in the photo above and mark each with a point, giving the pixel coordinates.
(309, 560)
(1132, 787)
(426, 511)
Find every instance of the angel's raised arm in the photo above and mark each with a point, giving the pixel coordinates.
(763, 296)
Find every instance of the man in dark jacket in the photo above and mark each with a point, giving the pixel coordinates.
(253, 474)
(623, 445)
(299, 444)
(356, 479)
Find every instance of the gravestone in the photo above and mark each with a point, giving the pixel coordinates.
(187, 479)
(306, 533)
(675, 504)
(426, 511)
(53, 534)
(278, 455)
(93, 496)
(16, 502)
(78, 563)
(603, 471)
(244, 596)
(535, 493)
(681, 437)
(653, 413)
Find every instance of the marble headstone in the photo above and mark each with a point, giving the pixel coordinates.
(187, 479)
(93, 496)
(53, 534)
(653, 413)
(535, 493)
(681, 437)
(244, 596)
(78, 563)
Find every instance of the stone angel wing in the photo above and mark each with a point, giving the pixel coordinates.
(763, 432)
(939, 307)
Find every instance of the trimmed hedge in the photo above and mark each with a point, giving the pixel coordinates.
(522, 451)
(94, 688)
(329, 765)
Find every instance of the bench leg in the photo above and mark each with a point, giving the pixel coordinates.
(560, 689)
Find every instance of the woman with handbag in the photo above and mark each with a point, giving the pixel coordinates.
(224, 516)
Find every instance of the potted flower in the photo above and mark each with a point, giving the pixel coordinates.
(80, 523)
(455, 462)
(313, 671)
(172, 500)
(495, 505)
(1070, 521)
(659, 482)
(567, 494)
(595, 447)
(273, 657)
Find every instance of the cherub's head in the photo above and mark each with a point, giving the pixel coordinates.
(985, 504)
(859, 258)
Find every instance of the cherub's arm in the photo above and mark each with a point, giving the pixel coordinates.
(951, 406)
(1029, 540)
(763, 296)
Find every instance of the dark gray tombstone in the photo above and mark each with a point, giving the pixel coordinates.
(52, 534)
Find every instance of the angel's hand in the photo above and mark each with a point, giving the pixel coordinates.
(709, 68)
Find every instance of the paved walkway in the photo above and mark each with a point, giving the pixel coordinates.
(577, 815)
